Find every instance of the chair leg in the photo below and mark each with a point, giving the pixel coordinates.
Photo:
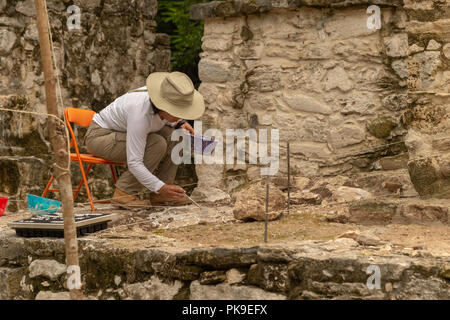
(113, 173)
(49, 184)
(86, 185)
(81, 183)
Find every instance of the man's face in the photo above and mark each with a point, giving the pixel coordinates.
(167, 116)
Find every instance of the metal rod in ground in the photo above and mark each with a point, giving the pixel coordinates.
(289, 177)
(267, 209)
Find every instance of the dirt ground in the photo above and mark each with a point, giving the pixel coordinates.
(188, 227)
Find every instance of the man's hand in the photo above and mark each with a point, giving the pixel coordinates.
(172, 191)
(186, 126)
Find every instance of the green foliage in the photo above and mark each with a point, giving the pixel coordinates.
(185, 34)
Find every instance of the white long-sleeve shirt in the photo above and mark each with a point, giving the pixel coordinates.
(133, 113)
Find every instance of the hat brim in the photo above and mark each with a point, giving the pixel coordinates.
(194, 111)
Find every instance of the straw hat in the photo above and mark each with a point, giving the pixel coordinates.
(175, 93)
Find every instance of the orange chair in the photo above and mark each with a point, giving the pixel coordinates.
(82, 118)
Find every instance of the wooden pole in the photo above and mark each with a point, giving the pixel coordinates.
(267, 209)
(59, 145)
(289, 177)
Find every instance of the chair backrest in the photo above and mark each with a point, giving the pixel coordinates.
(81, 117)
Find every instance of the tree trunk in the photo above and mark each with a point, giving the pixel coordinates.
(58, 141)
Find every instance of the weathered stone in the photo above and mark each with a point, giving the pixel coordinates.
(305, 103)
(424, 213)
(305, 197)
(397, 45)
(214, 71)
(49, 269)
(395, 162)
(401, 68)
(348, 194)
(395, 102)
(225, 291)
(212, 277)
(346, 135)
(311, 150)
(370, 211)
(210, 195)
(216, 45)
(428, 62)
(358, 104)
(415, 49)
(250, 204)
(26, 8)
(153, 289)
(234, 276)
(48, 295)
(381, 127)
(7, 41)
(337, 78)
(433, 45)
(269, 276)
(446, 50)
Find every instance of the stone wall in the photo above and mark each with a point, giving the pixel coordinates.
(338, 91)
(115, 50)
(336, 269)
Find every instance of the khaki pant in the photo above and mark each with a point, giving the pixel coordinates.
(111, 145)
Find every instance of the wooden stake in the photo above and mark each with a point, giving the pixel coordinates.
(289, 177)
(59, 145)
(267, 208)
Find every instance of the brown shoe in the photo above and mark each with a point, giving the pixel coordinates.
(124, 200)
(159, 200)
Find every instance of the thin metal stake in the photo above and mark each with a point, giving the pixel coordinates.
(289, 177)
(267, 208)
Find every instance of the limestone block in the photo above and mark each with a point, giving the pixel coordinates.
(372, 211)
(250, 203)
(31, 33)
(210, 195)
(348, 194)
(212, 277)
(12, 22)
(301, 102)
(395, 101)
(359, 103)
(26, 8)
(225, 291)
(209, 92)
(312, 129)
(433, 45)
(428, 62)
(401, 68)
(264, 79)
(7, 41)
(311, 150)
(215, 44)
(397, 45)
(446, 50)
(270, 276)
(337, 78)
(234, 276)
(346, 135)
(49, 269)
(214, 71)
(153, 289)
(415, 49)
(348, 24)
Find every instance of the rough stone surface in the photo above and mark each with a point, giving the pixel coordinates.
(49, 269)
(348, 194)
(250, 204)
(153, 289)
(372, 211)
(225, 291)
